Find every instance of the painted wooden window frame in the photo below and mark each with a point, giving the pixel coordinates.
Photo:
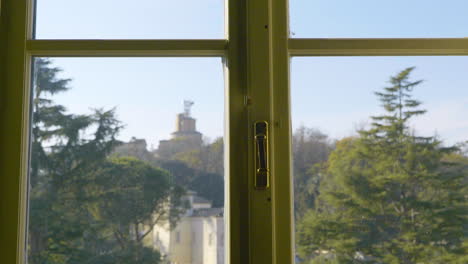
(256, 51)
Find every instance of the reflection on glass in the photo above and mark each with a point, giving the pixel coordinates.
(380, 151)
(378, 19)
(123, 19)
(111, 179)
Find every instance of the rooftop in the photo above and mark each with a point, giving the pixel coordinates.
(207, 212)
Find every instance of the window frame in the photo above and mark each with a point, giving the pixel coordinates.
(257, 51)
(17, 48)
(334, 47)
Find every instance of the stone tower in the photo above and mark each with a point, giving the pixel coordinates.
(185, 137)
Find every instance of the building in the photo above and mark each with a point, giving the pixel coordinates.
(184, 138)
(197, 238)
(135, 148)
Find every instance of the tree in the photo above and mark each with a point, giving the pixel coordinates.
(208, 185)
(127, 198)
(59, 156)
(187, 168)
(208, 158)
(200, 169)
(207, 176)
(390, 196)
(78, 194)
(311, 148)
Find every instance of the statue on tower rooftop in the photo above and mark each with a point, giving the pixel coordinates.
(187, 105)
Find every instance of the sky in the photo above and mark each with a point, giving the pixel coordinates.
(136, 19)
(378, 18)
(147, 92)
(333, 94)
(336, 94)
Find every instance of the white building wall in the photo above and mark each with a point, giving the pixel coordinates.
(162, 238)
(220, 240)
(180, 250)
(210, 243)
(197, 240)
(201, 205)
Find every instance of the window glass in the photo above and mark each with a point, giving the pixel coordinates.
(380, 159)
(126, 160)
(378, 19)
(123, 19)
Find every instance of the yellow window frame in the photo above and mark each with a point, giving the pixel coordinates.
(257, 50)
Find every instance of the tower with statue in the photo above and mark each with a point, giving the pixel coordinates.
(185, 137)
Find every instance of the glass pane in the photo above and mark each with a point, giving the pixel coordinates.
(123, 19)
(378, 19)
(380, 152)
(127, 161)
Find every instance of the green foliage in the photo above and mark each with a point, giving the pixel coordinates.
(209, 158)
(127, 189)
(389, 196)
(59, 158)
(199, 170)
(127, 192)
(133, 253)
(311, 148)
(325, 259)
(83, 206)
(207, 170)
(208, 185)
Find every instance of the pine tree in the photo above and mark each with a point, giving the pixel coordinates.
(79, 196)
(390, 196)
(60, 158)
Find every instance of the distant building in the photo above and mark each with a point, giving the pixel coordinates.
(184, 138)
(135, 148)
(197, 238)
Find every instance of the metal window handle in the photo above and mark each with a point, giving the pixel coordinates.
(261, 154)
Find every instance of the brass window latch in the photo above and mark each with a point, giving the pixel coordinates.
(262, 173)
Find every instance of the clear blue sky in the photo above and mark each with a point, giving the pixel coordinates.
(135, 19)
(378, 18)
(332, 94)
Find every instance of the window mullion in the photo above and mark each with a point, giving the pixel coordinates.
(13, 135)
(236, 132)
(377, 47)
(194, 48)
(282, 199)
(259, 103)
